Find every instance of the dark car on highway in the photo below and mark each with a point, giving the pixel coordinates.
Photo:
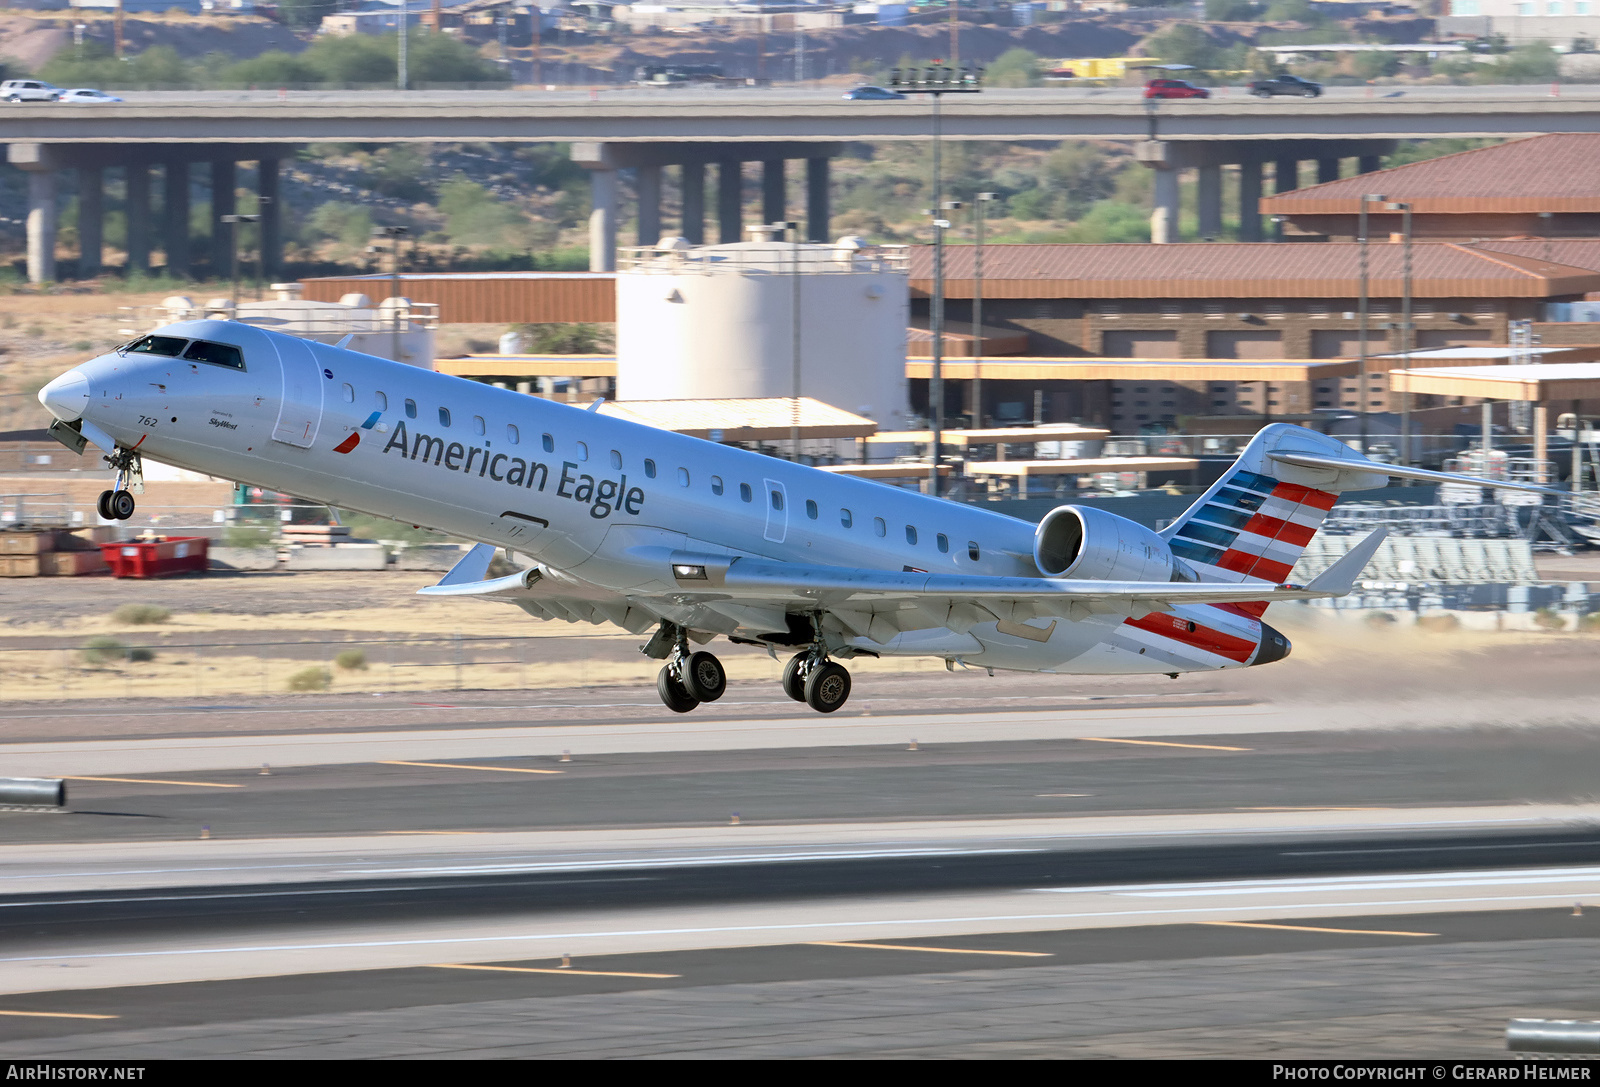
(1286, 84)
(1174, 88)
(874, 94)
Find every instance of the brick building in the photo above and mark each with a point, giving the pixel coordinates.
(1249, 302)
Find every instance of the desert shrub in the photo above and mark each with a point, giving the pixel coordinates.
(1549, 619)
(1590, 622)
(140, 654)
(141, 614)
(103, 648)
(1380, 620)
(315, 678)
(1439, 623)
(352, 660)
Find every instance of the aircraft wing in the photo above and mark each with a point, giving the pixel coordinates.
(881, 603)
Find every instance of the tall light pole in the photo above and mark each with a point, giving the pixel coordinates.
(793, 230)
(394, 234)
(937, 82)
(977, 308)
(1361, 237)
(233, 222)
(1406, 334)
(401, 77)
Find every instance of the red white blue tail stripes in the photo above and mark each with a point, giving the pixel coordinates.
(1252, 526)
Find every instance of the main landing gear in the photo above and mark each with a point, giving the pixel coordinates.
(820, 683)
(688, 679)
(117, 504)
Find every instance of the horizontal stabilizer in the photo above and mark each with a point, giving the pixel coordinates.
(1340, 578)
(1400, 471)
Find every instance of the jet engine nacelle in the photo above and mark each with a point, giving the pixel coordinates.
(1091, 544)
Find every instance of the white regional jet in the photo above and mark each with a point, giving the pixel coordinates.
(649, 529)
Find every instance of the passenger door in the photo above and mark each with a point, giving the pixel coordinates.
(777, 511)
(300, 408)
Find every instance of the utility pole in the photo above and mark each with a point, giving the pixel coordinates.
(761, 43)
(977, 309)
(400, 71)
(233, 222)
(1363, 307)
(955, 34)
(117, 36)
(799, 50)
(938, 82)
(394, 234)
(1406, 334)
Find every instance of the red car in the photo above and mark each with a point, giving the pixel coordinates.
(1174, 88)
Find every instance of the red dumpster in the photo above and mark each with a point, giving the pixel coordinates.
(156, 556)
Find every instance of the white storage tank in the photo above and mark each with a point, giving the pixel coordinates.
(718, 322)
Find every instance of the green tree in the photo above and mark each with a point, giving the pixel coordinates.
(1081, 173)
(1111, 221)
(1183, 43)
(440, 58)
(306, 14)
(1291, 11)
(1375, 65)
(474, 217)
(274, 68)
(354, 58)
(1013, 68)
(1232, 11)
(348, 224)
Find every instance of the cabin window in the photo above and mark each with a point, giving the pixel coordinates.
(616, 459)
(548, 442)
(777, 499)
(513, 435)
(444, 416)
(478, 426)
(381, 400)
(972, 550)
(811, 509)
(911, 534)
(716, 484)
(846, 518)
(880, 526)
(583, 450)
(683, 477)
(944, 543)
(217, 354)
(745, 494)
(411, 409)
(171, 346)
(348, 391)
(649, 468)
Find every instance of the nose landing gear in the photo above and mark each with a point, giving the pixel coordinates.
(117, 504)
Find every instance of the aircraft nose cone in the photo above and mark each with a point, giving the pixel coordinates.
(67, 396)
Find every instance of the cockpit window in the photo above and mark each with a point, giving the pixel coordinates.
(218, 354)
(170, 346)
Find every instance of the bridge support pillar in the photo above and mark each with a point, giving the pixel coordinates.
(817, 194)
(602, 220)
(1369, 164)
(1209, 200)
(138, 214)
(91, 220)
(730, 194)
(1250, 201)
(648, 187)
(175, 198)
(1327, 170)
(774, 195)
(693, 183)
(222, 203)
(1285, 178)
(1163, 159)
(271, 206)
(41, 226)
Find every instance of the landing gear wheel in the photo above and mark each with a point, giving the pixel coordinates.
(704, 678)
(672, 692)
(794, 677)
(827, 687)
(102, 506)
(121, 505)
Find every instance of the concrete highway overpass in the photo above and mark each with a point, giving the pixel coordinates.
(647, 131)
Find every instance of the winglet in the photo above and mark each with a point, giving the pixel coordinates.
(345, 342)
(473, 566)
(1340, 578)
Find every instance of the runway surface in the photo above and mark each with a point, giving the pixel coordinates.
(1094, 876)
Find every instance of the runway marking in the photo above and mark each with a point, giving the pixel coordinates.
(1063, 794)
(430, 832)
(1161, 743)
(550, 970)
(155, 781)
(60, 1015)
(940, 950)
(1319, 807)
(1313, 928)
(465, 766)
